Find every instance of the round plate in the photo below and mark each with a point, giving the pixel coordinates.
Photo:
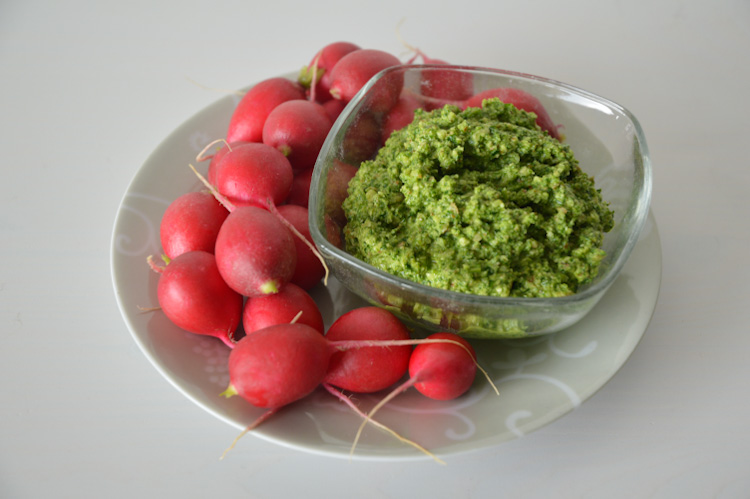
(539, 379)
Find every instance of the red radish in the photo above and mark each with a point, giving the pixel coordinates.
(270, 205)
(298, 129)
(333, 108)
(194, 297)
(322, 63)
(255, 252)
(355, 69)
(445, 85)
(191, 222)
(309, 270)
(248, 118)
(282, 308)
(280, 364)
(368, 369)
(442, 367)
(443, 371)
(522, 100)
(277, 365)
(252, 174)
(363, 138)
(300, 192)
(216, 156)
(339, 176)
(401, 115)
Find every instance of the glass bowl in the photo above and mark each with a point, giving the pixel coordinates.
(606, 139)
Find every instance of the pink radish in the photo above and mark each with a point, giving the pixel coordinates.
(355, 69)
(321, 64)
(363, 138)
(339, 176)
(368, 369)
(298, 129)
(277, 365)
(401, 115)
(191, 222)
(282, 308)
(252, 174)
(194, 297)
(255, 252)
(444, 85)
(443, 371)
(309, 270)
(333, 108)
(442, 367)
(267, 244)
(300, 191)
(216, 156)
(248, 118)
(522, 100)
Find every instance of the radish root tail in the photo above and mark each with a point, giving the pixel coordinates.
(368, 417)
(288, 224)
(226, 203)
(339, 395)
(202, 155)
(249, 428)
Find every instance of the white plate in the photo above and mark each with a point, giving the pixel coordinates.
(540, 379)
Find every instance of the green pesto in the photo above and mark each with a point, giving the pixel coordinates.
(479, 201)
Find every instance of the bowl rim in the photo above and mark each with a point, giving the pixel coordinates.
(587, 292)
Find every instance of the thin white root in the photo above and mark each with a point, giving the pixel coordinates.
(201, 155)
(378, 424)
(251, 426)
(296, 317)
(368, 417)
(288, 224)
(219, 197)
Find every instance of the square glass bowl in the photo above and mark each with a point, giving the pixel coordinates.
(605, 137)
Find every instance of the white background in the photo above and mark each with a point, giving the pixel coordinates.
(89, 88)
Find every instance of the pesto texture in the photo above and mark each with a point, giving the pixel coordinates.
(479, 201)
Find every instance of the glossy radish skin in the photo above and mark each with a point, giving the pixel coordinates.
(522, 100)
(282, 308)
(443, 371)
(216, 157)
(248, 118)
(309, 270)
(277, 365)
(333, 108)
(191, 223)
(252, 174)
(255, 252)
(355, 69)
(368, 369)
(194, 296)
(324, 60)
(300, 191)
(297, 128)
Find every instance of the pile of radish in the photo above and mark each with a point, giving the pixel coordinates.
(238, 260)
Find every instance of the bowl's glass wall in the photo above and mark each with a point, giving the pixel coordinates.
(607, 141)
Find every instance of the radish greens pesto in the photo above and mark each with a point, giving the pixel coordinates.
(479, 201)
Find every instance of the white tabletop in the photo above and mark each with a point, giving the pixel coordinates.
(88, 89)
